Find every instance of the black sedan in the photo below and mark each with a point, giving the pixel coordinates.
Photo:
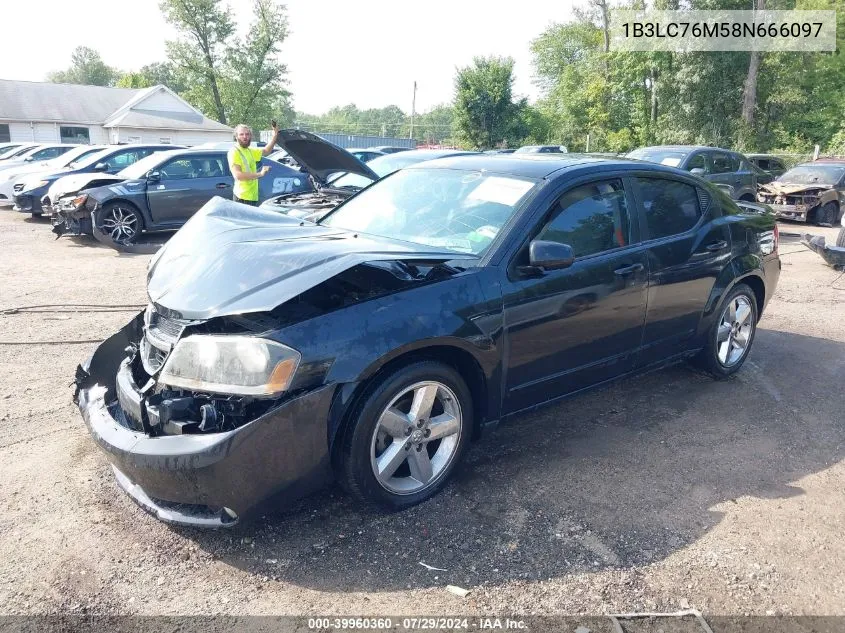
(161, 192)
(276, 354)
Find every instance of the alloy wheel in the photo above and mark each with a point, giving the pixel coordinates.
(416, 438)
(120, 224)
(735, 329)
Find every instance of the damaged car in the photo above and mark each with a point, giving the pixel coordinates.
(277, 354)
(809, 192)
(335, 173)
(159, 193)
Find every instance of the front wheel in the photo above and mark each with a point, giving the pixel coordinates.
(840, 239)
(730, 338)
(826, 216)
(121, 222)
(407, 436)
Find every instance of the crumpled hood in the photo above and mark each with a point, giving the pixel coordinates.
(787, 189)
(230, 258)
(77, 182)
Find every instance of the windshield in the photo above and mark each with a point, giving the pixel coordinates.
(670, 157)
(140, 169)
(17, 152)
(813, 174)
(72, 156)
(450, 209)
(383, 166)
(92, 159)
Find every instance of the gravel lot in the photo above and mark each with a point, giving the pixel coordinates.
(658, 493)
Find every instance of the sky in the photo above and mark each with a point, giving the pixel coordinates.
(368, 52)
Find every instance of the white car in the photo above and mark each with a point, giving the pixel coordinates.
(36, 155)
(13, 150)
(20, 172)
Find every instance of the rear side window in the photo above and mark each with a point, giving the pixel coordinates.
(592, 218)
(670, 207)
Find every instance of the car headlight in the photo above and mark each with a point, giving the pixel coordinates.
(35, 185)
(243, 365)
(79, 201)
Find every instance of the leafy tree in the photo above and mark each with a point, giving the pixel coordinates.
(156, 74)
(86, 67)
(233, 79)
(486, 114)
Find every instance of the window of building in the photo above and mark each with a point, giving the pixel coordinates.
(5, 135)
(165, 140)
(78, 135)
(671, 207)
(591, 219)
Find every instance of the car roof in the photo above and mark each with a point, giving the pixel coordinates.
(688, 148)
(825, 160)
(538, 166)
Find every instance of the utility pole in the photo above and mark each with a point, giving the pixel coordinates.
(413, 109)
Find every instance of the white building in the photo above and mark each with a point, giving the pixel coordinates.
(65, 113)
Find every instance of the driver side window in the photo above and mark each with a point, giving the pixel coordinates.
(698, 161)
(591, 218)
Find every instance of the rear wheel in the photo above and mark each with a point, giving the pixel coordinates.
(730, 338)
(121, 222)
(407, 436)
(826, 216)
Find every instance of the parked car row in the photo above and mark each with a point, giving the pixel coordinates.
(809, 192)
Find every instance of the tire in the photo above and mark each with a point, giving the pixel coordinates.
(714, 358)
(840, 239)
(827, 214)
(373, 436)
(119, 222)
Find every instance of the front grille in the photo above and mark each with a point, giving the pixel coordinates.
(18, 187)
(160, 335)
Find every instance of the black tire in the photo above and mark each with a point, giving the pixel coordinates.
(708, 358)
(104, 217)
(840, 239)
(358, 444)
(827, 214)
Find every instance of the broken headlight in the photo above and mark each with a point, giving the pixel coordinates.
(230, 364)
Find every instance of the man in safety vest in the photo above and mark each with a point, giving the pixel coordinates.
(243, 162)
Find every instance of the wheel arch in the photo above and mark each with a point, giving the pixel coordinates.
(349, 396)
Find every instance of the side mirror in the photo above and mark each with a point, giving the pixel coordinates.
(698, 171)
(153, 176)
(543, 255)
(101, 167)
(28, 159)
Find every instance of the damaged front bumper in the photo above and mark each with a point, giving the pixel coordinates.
(70, 220)
(832, 255)
(202, 479)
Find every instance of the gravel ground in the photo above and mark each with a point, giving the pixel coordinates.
(661, 492)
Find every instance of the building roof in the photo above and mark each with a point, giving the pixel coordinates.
(168, 121)
(43, 101)
(98, 105)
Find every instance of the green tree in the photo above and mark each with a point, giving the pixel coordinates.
(485, 113)
(86, 67)
(231, 78)
(156, 74)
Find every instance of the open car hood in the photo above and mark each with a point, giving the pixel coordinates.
(230, 258)
(786, 188)
(320, 158)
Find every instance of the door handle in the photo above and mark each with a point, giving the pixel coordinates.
(222, 185)
(717, 246)
(628, 270)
